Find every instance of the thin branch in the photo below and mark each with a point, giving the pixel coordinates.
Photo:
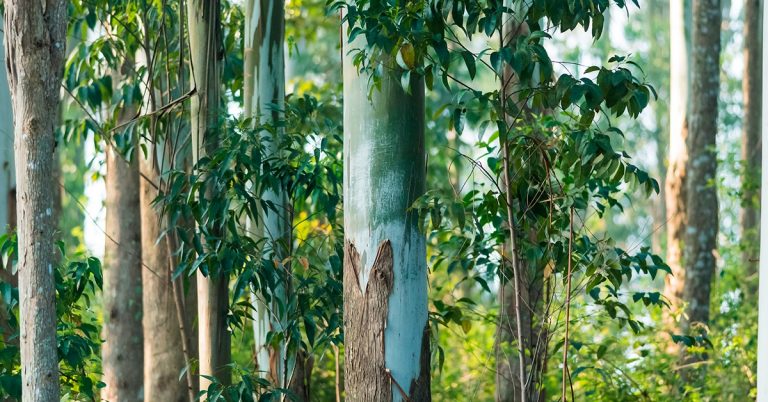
(566, 374)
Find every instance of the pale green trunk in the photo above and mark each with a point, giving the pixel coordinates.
(385, 272)
(7, 187)
(7, 176)
(212, 290)
(762, 333)
(264, 101)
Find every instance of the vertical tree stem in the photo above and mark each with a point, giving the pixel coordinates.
(567, 310)
(504, 142)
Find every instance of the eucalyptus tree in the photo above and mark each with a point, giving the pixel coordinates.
(701, 229)
(386, 351)
(680, 22)
(35, 41)
(762, 334)
(252, 52)
(557, 168)
(170, 345)
(203, 20)
(751, 146)
(122, 351)
(264, 94)
(521, 300)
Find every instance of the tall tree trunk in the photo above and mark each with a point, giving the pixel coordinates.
(163, 353)
(254, 37)
(530, 285)
(122, 351)
(701, 192)
(264, 99)
(762, 332)
(657, 31)
(165, 356)
(35, 41)
(385, 273)
(213, 289)
(675, 186)
(257, 35)
(751, 146)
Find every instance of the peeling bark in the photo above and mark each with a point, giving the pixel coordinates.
(365, 319)
(264, 94)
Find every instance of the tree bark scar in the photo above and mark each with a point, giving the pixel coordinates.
(365, 320)
(420, 387)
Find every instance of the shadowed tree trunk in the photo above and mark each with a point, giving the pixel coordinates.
(34, 43)
(213, 289)
(385, 273)
(122, 350)
(701, 192)
(164, 353)
(530, 285)
(751, 144)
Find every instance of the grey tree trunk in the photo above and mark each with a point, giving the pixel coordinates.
(385, 273)
(751, 146)
(35, 42)
(122, 350)
(701, 193)
(212, 290)
(680, 18)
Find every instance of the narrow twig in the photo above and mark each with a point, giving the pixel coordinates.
(178, 297)
(567, 310)
(338, 373)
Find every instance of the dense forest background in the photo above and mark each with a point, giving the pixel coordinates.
(583, 177)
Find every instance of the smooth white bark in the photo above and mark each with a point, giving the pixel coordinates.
(264, 102)
(762, 334)
(383, 174)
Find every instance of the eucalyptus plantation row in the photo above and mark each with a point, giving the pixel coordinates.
(311, 200)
